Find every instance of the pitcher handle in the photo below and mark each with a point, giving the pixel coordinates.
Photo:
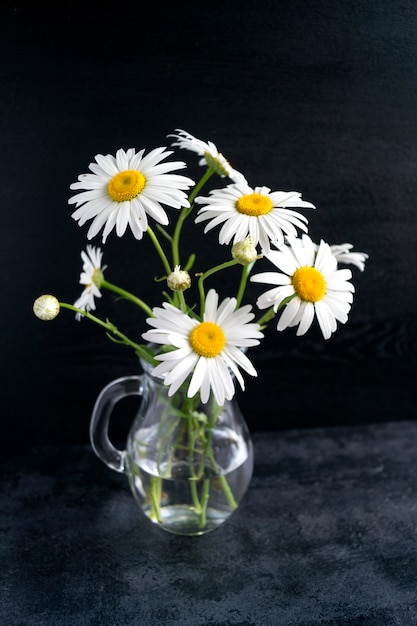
(100, 417)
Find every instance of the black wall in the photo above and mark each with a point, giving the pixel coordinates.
(319, 97)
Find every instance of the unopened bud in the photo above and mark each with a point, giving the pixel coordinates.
(179, 280)
(244, 252)
(46, 307)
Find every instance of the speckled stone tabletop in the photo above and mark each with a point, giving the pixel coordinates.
(327, 534)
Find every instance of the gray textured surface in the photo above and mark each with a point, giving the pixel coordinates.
(327, 534)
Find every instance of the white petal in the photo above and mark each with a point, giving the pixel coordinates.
(325, 319)
(288, 313)
(306, 319)
(199, 374)
(211, 305)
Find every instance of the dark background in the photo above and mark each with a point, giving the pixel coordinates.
(318, 97)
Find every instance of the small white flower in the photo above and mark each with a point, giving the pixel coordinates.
(125, 189)
(208, 350)
(91, 277)
(313, 284)
(46, 307)
(211, 157)
(179, 280)
(263, 214)
(343, 253)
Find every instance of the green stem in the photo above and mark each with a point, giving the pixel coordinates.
(208, 453)
(156, 490)
(266, 317)
(205, 177)
(242, 285)
(228, 492)
(127, 295)
(159, 250)
(185, 213)
(194, 495)
(209, 272)
(193, 479)
(165, 431)
(113, 330)
(270, 313)
(205, 496)
(176, 238)
(216, 411)
(183, 304)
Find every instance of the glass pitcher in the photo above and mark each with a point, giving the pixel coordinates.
(188, 464)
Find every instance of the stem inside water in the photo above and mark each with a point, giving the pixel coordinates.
(185, 453)
(156, 493)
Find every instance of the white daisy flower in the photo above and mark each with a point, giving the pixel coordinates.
(313, 284)
(258, 212)
(343, 253)
(125, 189)
(208, 350)
(91, 277)
(211, 157)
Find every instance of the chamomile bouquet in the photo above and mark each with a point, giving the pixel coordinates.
(195, 343)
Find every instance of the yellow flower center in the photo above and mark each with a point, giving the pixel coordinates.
(254, 204)
(207, 339)
(309, 284)
(126, 185)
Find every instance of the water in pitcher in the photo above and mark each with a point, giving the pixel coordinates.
(189, 498)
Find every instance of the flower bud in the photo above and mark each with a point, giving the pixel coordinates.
(244, 252)
(46, 307)
(179, 280)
